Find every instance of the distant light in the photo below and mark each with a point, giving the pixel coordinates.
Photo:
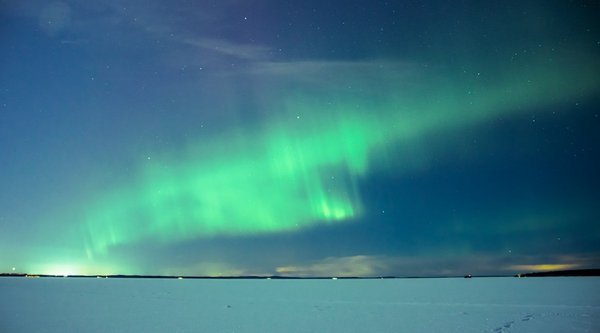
(14, 268)
(180, 278)
(334, 278)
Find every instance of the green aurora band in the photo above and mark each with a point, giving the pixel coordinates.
(302, 168)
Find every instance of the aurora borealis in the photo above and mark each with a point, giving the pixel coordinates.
(222, 138)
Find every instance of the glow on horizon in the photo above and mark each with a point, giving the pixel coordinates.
(72, 267)
(544, 267)
(60, 269)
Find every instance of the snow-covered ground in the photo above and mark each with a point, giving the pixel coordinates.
(394, 305)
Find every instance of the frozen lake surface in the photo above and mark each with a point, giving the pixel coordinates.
(390, 305)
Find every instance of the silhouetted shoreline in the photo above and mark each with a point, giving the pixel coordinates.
(572, 272)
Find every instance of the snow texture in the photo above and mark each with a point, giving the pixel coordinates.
(390, 305)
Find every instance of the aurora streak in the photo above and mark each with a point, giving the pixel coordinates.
(298, 171)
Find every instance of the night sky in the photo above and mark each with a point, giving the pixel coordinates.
(305, 138)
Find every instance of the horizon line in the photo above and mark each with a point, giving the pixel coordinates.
(225, 277)
(572, 272)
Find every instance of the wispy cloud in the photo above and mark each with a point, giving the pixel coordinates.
(380, 265)
(207, 268)
(74, 41)
(359, 265)
(430, 265)
(228, 48)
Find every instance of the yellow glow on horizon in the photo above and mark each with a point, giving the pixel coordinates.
(60, 269)
(73, 268)
(544, 267)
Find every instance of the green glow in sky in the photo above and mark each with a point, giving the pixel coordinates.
(301, 167)
(288, 179)
(306, 138)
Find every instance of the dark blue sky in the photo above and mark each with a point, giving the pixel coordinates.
(299, 137)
